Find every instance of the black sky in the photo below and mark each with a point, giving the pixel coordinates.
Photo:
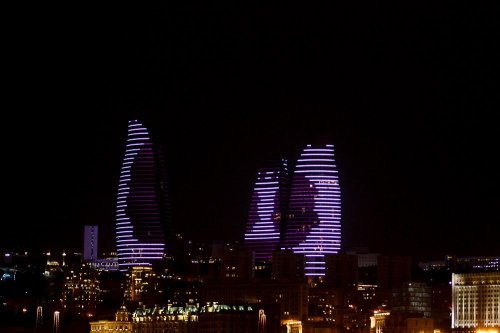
(407, 93)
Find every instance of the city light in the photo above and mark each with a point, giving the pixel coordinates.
(313, 227)
(140, 210)
(266, 210)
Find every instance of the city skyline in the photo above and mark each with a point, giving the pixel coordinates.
(223, 217)
(301, 213)
(406, 94)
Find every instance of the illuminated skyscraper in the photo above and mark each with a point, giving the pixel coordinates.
(313, 226)
(142, 214)
(267, 210)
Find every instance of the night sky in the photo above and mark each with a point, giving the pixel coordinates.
(408, 95)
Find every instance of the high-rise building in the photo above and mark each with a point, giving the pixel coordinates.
(267, 210)
(475, 302)
(90, 238)
(142, 211)
(313, 217)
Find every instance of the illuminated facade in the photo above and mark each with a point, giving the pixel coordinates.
(209, 318)
(313, 226)
(142, 214)
(378, 321)
(90, 238)
(142, 285)
(267, 211)
(81, 291)
(476, 302)
(463, 264)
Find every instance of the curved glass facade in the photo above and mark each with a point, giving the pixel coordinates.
(142, 202)
(313, 226)
(266, 211)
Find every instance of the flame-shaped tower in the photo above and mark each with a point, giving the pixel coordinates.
(313, 226)
(142, 210)
(267, 210)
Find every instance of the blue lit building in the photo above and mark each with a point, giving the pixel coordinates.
(267, 210)
(314, 211)
(142, 210)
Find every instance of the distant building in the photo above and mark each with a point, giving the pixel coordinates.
(476, 302)
(105, 264)
(368, 259)
(122, 323)
(388, 322)
(267, 210)
(473, 264)
(412, 298)
(367, 264)
(393, 271)
(314, 210)
(227, 318)
(142, 285)
(463, 264)
(288, 266)
(205, 269)
(230, 261)
(209, 318)
(81, 291)
(142, 209)
(237, 263)
(290, 297)
(378, 321)
(90, 242)
(341, 270)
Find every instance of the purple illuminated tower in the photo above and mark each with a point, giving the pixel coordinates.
(313, 226)
(142, 210)
(267, 210)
